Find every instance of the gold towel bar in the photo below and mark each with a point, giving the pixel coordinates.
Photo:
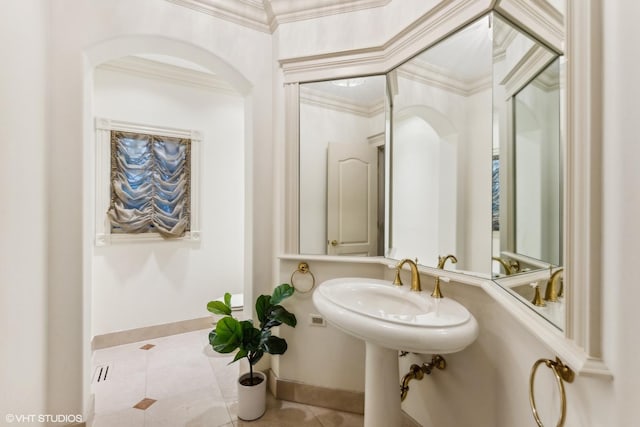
(303, 268)
(562, 373)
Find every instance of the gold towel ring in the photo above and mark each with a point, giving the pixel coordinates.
(562, 373)
(303, 268)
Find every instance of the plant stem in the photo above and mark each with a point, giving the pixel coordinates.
(250, 371)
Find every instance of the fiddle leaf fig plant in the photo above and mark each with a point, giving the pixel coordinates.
(231, 334)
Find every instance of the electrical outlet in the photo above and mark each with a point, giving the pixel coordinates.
(316, 320)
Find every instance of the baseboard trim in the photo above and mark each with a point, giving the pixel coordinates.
(339, 400)
(150, 332)
(336, 399)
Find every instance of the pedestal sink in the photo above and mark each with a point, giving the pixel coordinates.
(390, 318)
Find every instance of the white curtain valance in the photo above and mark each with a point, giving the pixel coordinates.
(150, 184)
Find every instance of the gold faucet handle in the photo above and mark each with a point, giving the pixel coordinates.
(396, 280)
(436, 288)
(537, 298)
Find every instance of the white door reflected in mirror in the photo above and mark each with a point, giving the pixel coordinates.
(352, 194)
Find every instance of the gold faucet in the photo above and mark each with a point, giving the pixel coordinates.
(511, 266)
(415, 276)
(554, 290)
(441, 261)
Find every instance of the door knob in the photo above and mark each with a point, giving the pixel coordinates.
(334, 243)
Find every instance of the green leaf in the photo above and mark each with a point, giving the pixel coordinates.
(251, 336)
(281, 315)
(239, 355)
(262, 307)
(281, 292)
(275, 345)
(218, 307)
(227, 299)
(212, 336)
(228, 335)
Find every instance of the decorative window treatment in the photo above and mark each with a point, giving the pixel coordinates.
(150, 184)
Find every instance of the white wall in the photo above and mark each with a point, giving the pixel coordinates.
(23, 195)
(322, 356)
(621, 207)
(161, 282)
(85, 33)
(475, 172)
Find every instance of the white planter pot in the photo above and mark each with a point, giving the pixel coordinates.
(252, 399)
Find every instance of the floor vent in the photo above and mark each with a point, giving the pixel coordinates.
(101, 373)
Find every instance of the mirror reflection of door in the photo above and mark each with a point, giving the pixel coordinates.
(346, 112)
(352, 199)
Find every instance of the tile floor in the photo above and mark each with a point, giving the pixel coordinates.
(182, 382)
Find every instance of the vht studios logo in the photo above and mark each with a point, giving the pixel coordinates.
(43, 418)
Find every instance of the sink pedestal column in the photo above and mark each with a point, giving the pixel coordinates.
(382, 387)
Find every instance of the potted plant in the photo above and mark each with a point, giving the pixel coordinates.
(252, 343)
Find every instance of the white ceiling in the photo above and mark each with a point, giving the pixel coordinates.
(464, 56)
(370, 92)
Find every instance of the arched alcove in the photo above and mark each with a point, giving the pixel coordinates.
(175, 261)
(425, 144)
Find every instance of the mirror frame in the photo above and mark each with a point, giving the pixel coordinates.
(580, 345)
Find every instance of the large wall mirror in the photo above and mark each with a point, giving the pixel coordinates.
(526, 162)
(342, 158)
(440, 152)
(456, 151)
(527, 183)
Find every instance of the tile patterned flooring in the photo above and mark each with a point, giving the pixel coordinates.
(184, 383)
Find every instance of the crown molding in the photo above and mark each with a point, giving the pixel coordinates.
(377, 140)
(546, 83)
(337, 103)
(447, 17)
(265, 16)
(503, 36)
(248, 13)
(537, 17)
(146, 68)
(431, 75)
(536, 59)
(290, 11)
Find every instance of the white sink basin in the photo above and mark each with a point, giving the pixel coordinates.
(394, 317)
